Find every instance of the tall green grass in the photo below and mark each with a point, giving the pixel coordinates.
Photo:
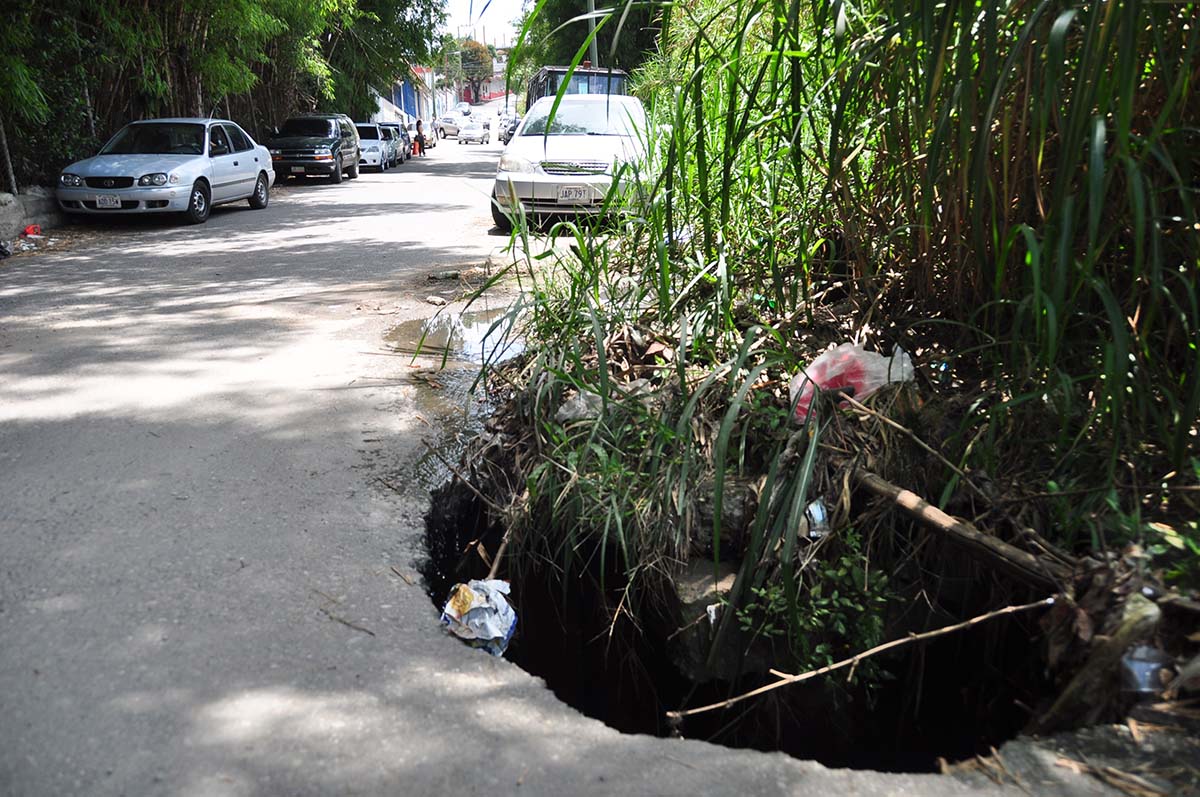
(1009, 189)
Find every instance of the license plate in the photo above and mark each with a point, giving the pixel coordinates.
(108, 201)
(297, 170)
(573, 194)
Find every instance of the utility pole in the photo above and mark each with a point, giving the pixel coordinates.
(591, 7)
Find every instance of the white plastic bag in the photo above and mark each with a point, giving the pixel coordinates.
(479, 614)
(848, 366)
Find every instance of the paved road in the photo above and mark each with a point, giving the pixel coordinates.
(196, 594)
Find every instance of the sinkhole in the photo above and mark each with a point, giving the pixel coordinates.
(934, 702)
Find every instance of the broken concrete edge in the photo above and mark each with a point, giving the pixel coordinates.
(34, 205)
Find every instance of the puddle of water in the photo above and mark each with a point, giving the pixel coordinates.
(475, 336)
(452, 348)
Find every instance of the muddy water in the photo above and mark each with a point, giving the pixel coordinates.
(447, 353)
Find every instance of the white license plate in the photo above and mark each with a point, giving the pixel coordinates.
(297, 170)
(573, 194)
(108, 201)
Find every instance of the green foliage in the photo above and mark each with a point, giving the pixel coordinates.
(557, 29)
(77, 71)
(839, 610)
(476, 62)
(1006, 190)
(20, 95)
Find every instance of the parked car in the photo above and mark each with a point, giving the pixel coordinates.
(448, 125)
(374, 147)
(508, 126)
(568, 166)
(391, 139)
(476, 132)
(170, 165)
(403, 141)
(316, 144)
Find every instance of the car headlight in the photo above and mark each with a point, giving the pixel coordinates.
(158, 178)
(276, 152)
(323, 151)
(512, 163)
(70, 180)
(372, 148)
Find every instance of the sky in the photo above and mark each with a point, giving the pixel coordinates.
(495, 22)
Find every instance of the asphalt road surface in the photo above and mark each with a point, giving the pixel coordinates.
(196, 584)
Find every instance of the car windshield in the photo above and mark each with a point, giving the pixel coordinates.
(157, 138)
(321, 128)
(368, 131)
(585, 119)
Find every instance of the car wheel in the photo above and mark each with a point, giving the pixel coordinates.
(262, 193)
(352, 172)
(442, 133)
(502, 222)
(336, 176)
(199, 203)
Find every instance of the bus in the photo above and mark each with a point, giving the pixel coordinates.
(585, 79)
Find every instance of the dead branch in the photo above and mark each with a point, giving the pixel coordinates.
(1045, 574)
(786, 679)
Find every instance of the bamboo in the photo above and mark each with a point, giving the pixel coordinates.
(9, 174)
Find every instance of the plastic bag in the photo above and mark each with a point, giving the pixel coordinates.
(479, 614)
(848, 366)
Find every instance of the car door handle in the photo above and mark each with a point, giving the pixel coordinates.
(235, 163)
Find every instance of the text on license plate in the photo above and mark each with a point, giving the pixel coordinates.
(108, 201)
(568, 194)
(297, 170)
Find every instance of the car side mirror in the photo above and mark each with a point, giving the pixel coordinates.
(215, 150)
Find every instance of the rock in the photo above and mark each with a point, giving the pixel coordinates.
(436, 301)
(701, 600)
(34, 205)
(739, 503)
(580, 407)
(444, 275)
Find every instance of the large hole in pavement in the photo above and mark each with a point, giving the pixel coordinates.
(950, 698)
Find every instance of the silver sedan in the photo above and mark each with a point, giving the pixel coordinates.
(169, 165)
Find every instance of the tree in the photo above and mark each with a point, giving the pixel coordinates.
(446, 59)
(74, 71)
(476, 65)
(374, 47)
(556, 33)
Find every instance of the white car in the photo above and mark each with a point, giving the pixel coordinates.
(474, 131)
(182, 165)
(374, 153)
(567, 166)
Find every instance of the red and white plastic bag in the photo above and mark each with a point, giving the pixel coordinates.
(851, 367)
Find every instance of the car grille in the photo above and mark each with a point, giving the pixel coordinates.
(299, 154)
(575, 167)
(108, 182)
